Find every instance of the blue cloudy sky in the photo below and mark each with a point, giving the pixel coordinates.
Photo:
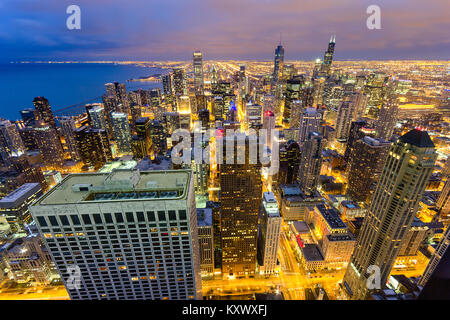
(222, 29)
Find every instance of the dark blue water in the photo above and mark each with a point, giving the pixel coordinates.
(63, 84)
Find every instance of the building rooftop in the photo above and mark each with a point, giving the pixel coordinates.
(311, 252)
(204, 217)
(19, 195)
(331, 216)
(340, 237)
(119, 185)
(418, 138)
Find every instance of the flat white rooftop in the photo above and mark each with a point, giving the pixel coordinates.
(119, 185)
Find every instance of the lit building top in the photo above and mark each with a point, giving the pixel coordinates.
(119, 185)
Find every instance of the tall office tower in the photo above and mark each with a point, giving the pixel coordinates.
(366, 162)
(122, 133)
(28, 116)
(167, 84)
(253, 115)
(436, 258)
(136, 98)
(311, 163)
(96, 116)
(269, 125)
(393, 206)
(206, 241)
(138, 241)
(388, 113)
(269, 104)
(44, 111)
(240, 198)
(68, 128)
(11, 143)
(356, 132)
(119, 91)
(293, 93)
(142, 141)
(217, 237)
(269, 234)
(179, 82)
(213, 77)
(325, 69)
(296, 111)
(158, 136)
(94, 146)
(374, 89)
(183, 104)
(278, 65)
(343, 120)
(136, 113)
(218, 107)
(198, 72)
(310, 120)
(443, 204)
(203, 117)
(171, 121)
(289, 161)
(29, 173)
(49, 145)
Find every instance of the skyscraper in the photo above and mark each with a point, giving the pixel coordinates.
(49, 145)
(293, 93)
(93, 146)
(198, 72)
(388, 113)
(96, 116)
(393, 206)
(311, 163)
(240, 198)
(138, 241)
(269, 234)
(310, 120)
(11, 143)
(44, 111)
(344, 119)
(278, 65)
(365, 165)
(269, 125)
(328, 57)
(179, 82)
(121, 130)
(68, 128)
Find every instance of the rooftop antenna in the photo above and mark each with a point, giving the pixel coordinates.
(280, 38)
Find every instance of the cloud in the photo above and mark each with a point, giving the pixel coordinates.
(172, 29)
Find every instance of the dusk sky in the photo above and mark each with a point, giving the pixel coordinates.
(222, 29)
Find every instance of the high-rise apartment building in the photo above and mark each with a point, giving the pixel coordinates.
(131, 234)
(93, 146)
(11, 143)
(365, 166)
(68, 128)
(122, 133)
(311, 163)
(44, 111)
(392, 209)
(310, 120)
(49, 144)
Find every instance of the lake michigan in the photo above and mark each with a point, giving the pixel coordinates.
(64, 84)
